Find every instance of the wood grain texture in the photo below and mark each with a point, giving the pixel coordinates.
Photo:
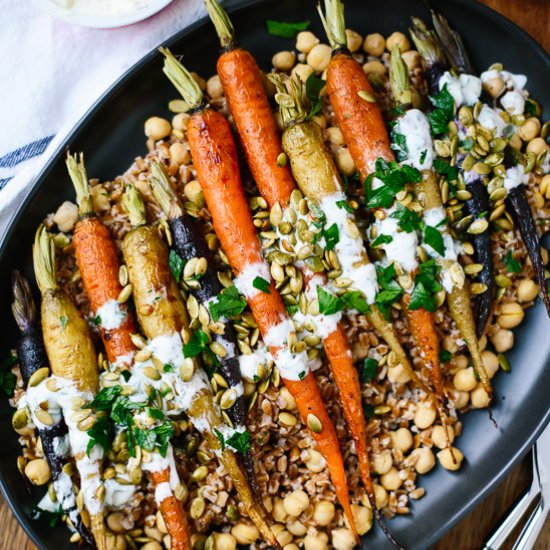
(469, 534)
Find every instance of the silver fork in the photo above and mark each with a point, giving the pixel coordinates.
(537, 496)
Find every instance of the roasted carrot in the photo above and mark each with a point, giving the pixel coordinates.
(242, 84)
(161, 314)
(99, 265)
(72, 357)
(249, 106)
(215, 159)
(31, 356)
(189, 242)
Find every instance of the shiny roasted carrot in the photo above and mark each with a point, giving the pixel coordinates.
(99, 266)
(215, 159)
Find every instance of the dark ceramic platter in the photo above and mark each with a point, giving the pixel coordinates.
(111, 135)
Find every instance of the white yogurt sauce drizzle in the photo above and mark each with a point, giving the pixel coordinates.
(111, 315)
(414, 126)
(244, 282)
(465, 88)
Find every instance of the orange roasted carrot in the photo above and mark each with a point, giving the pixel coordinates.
(172, 514)
(99, 265)
(215, 160)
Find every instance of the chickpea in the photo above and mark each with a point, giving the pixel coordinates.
(316, 542)
(214, 87)
(494, 86)
(167, 541)
(382, 462)
(402, 439)
(380, 496)
(320, 120)
(460, 361)
(527, 288)
(465, 379)
(391, 480)
(284, 61)
(530, 129)
(291, 546)
(515, 142)
(490, 362)
(296, 502)
(398, 375)
(335, 135)
(305, 41)
(245, 533)
(323, 512)
(461, 400)
(398, 39)
(412, 59)
(345, 162)
(503, 340)
(376, 67)
(446, 458)
(66, 216)
(374, 44)
(362, 517)
(278, 512)
(115, 522)
(224, 541)
(180, 121)
(343, 539)
(38, 471)
(120, 543)
(100, 198)
(296, 528)
(480, 398)
(157, 128)
(161, 525)
(179, 154)
(424, 416)
(193, 192)
(153, 532)
(283, 537)
(511, 315)
(425, 461)
(316, 462)
(439, 436)
(537, 146)
(153, 545)
(319, 57)
(354, 40)
(302, 71)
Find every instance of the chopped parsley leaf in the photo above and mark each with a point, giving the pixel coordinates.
(314, 85)
(445, 356)
(97, 320)
(512, 265)
(443, 113)
(353, 299)
(391, 291)
(399, 145)
(368, 411)
(176, 264)
(445, 169)
(328, 303)
(101, 433)
(301, 375)
(530, 108)
(345, 205)
(368, 370)
(219, 435)
(423, 156)
(285, 29)
(227, 304)
(467, 144)
(380, 240)
(240, 441)
(53, 518)
(126, 374)
(8, 380)
(197, 344)
(425, 287)
(433, 238)
(261, 284)
(407, 220)
(332, 236)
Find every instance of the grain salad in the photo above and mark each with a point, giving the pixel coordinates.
(163, 410)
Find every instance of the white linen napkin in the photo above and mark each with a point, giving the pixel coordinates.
(52, 72)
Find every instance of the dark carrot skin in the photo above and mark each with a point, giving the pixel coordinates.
(361, 121)
(215, 159)
(242, 83)
(173, 514)
(99, 265)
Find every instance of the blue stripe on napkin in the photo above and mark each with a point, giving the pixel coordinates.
(3, 182)
(26, 152)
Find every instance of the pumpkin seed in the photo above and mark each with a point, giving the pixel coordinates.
(481, 168)
(20, 419)
(123, 275)
(382, 409)
(78, 416)
(282, 159)
(199, 473)
(38, 376)
(151, 373)
(187, 369)
(503, 281)
(125, 293)
(314, 424)
(478, 226)
(472, 269)
(314, 263)
(51, 384)
(478, 288)
(287, 419)
(86, 424)
(135, 474)
(497, 212)
(201, 267)
(498, 194)
(463, 195)
(138, 341)
(468, 163)
(367, 96)
(228, 399)
(503, 362)
(143, 354)
(44, 417)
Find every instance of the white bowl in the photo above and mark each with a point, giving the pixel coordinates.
(86, 18)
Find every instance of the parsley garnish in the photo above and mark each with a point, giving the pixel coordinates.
(332, 236)
(53, 518)
(8, 380)
(314, 85)
(445, 169)
(64, 322)
(319, 216)
(423, 156)
(512, 265)
(219, 435)
(126, 374)
(399, 145)
(530, 108)
(302, 375)
(380, 240)
(227, 304)
(345, 205)
(425, 287)
(407, 220)
(240, 441)
(445, 356)
(394, 178)
(467, 144)
(97, 320)
(368, 371)
(261, 284)
(176, 264)
(292, 308)
(284, 29)
(197, 344)
(443, 113)
(368, 411)
(353, 299)
(391, 291)
(328, 303)
(433, 238)
(101, 433)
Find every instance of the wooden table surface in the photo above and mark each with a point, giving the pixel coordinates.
(472, 531)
